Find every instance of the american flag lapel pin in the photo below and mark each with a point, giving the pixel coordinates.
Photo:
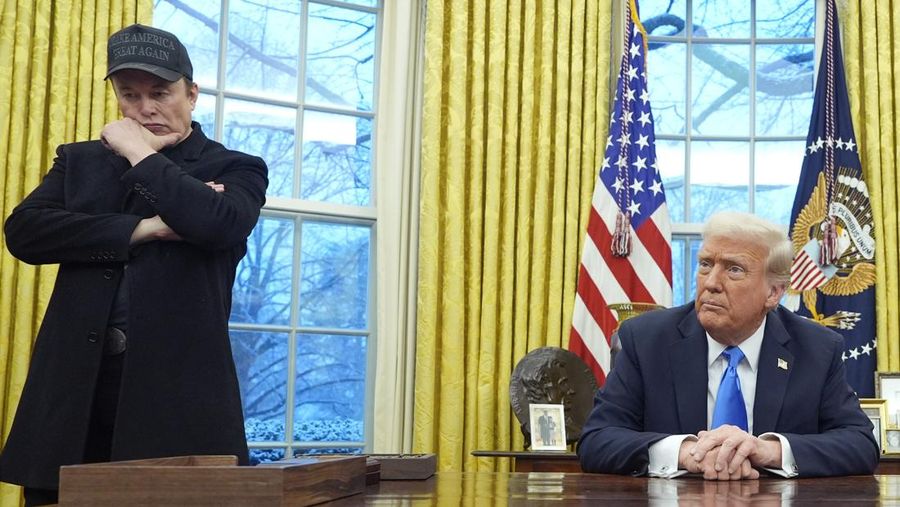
(782, 364)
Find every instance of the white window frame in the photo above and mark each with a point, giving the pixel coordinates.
(691, 231)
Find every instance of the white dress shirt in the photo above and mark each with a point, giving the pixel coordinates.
(664, 453)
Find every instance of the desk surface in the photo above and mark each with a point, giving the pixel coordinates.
(480, 488)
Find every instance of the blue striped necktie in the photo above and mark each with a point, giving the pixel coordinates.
(730, 408)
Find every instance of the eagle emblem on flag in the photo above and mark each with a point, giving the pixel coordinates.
(853, 271)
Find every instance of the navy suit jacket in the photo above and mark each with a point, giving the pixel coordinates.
(659, 388)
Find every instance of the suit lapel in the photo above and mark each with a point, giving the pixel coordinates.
(773, 373)
(689, 371)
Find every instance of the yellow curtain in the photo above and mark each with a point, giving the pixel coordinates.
(516, 95)
(871, 46)
(51, 92)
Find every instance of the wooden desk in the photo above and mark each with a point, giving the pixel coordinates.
(561, 461)
(542, 461)
(491, 488)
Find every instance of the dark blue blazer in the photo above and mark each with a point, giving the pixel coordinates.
(659, 388)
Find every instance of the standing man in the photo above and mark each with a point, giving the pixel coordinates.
(732, 383)
(147, 224)
(544, 422)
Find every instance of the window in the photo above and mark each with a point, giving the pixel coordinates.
(294, 82)
(731, 86)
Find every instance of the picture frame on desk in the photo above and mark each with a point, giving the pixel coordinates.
(887, 387)
(892, 442)
(548, 427)
(876, 410)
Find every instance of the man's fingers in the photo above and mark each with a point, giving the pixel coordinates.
(747, 470)
(703, 446)
(741, 453)
(726, 451)
(744, 468)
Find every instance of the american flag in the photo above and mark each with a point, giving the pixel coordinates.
(627, 257)
(833, 274)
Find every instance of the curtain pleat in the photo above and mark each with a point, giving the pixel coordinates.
(513, 92)
(871, 44)
(51, 92)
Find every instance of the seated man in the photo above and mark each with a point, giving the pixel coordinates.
(732, 383)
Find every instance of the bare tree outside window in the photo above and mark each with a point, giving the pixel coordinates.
(293, 82)
(731, 86)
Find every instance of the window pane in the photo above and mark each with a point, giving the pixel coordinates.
(340, 65)
(334, 273)
(327, 450)
(197, 27)
(262, 285)
(678, 274)
(330, 388)
(666, 72)
(721, 94)
(205, 114)
(263, 47)
(784, 19)
(784, 88)
(336, 158)
(720, 178)
(265, 131)
(258, 456)
(727, 19)
(695, 248)
(367, 3)
(260, 359)
(777, 172)
(663, 17)
(670, 161)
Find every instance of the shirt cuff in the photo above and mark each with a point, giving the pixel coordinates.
(788, 464)
(664, 457)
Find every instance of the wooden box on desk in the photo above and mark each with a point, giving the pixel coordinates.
(211, 480)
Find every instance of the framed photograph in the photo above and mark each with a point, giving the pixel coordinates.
(875, 408)
(887, 387)
(548, 427)
(892, 441)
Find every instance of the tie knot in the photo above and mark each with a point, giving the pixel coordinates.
(733, 355)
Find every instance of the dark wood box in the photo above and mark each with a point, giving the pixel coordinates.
(212, 480)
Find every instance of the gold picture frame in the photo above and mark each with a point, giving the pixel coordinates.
(876, 410)
(892, 443)
(887, 386)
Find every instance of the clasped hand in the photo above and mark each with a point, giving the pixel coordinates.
(128, 138)
(728, 453)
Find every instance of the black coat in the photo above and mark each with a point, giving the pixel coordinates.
(179, 392)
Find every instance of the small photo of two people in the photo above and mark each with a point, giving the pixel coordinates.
(548, 427)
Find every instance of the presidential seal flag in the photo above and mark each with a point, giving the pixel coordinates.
(833, 273)
(627, 257)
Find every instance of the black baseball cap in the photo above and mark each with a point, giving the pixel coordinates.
(149, 49)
